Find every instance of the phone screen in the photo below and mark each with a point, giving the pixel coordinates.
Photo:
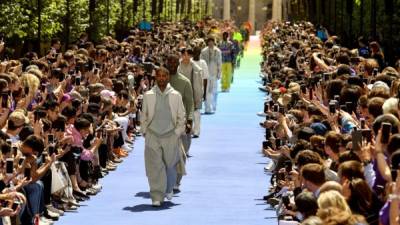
(266, 107)
(357, 140)
(386, 127)
(21, 160)
(9, 166)
(77, 81)
(51, 149)
(50, 138)
(4, 100)
(27, 173)
(332, 107)
(276, 108)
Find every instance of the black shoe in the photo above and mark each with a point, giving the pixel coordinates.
(47, 216)
(81, 195)
(273, 201)
(195, 136)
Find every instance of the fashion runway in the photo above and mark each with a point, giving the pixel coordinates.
(225, 180)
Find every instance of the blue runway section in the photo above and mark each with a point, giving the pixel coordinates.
(225, 180)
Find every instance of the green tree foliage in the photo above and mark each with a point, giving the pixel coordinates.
(67, 19)
(337, 17)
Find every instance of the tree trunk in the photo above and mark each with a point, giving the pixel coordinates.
(189, 9)
(373, 18)
(206, 5)
(160, 8)
(135, 6)
(349, 9)
(92, 8)
(183, 6)
(144, 8)
(67, 24)
(39, 11)
(362, 17)
(108, 16)
(153, 8)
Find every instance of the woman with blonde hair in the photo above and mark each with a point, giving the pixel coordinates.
(333, 199)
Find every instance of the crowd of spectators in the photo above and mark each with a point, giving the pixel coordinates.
(69, 117)
(331, 128)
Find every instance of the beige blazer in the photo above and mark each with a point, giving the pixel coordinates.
(176, 106)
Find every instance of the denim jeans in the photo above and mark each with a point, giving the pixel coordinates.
(35, 197)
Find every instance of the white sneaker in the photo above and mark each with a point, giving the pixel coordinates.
(44, 221)
(52, 209)
(169, 195)
(156, 204)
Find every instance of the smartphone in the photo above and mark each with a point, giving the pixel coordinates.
(288, 166)
(35, 116)
(77, 81)
(265, 144)
(367, 134)
(286, 202)
(15, 150)
(51, 149)
(266, 107)
(14, 206)
(356, 137)
(325, 77)
(310, 92)
(349, 107)
(375, 72)
(362, 123)
(62, 128)
(4, 100)
(276, 108)
(303, 89)
(99, 133)
(267, 133)
(50, 138)
(27, 173)
(9, 166)
(96, 71)
(282, 110)
(278, 143)
(332, 107)
(386, 129)
(336, 98)
(21, 160)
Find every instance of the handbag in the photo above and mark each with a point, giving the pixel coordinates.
(58, 179)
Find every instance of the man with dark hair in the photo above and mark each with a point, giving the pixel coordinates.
(332, 146)
(181, 84)
(213, 57)
(162, 124)
(313, 177)
(38, 166)
(228, 60)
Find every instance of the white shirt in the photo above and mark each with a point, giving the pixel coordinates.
(203, 65)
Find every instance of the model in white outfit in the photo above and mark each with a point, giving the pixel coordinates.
(204, 75)
(213, 57)
(162, 124)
